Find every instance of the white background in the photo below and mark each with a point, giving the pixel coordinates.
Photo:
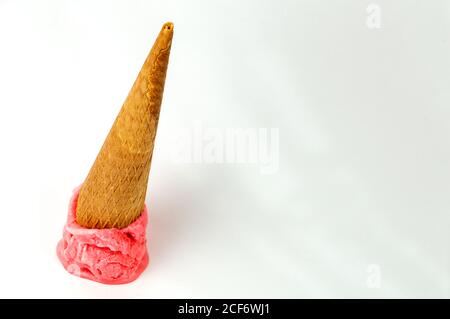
(362, 189)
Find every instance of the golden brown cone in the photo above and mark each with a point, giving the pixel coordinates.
(113, 194)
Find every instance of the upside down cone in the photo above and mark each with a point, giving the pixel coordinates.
(113, 194)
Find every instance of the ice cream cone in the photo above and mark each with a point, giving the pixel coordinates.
(113, 194)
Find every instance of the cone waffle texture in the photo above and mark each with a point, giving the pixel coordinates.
(113, 194)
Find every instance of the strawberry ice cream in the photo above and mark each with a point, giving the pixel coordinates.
(109, 256)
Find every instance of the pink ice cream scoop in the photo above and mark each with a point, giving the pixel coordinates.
(109, 256)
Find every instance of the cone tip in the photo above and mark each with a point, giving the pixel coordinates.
(167, 27)
(165, 36)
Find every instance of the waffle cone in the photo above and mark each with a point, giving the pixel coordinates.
(113, 194)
